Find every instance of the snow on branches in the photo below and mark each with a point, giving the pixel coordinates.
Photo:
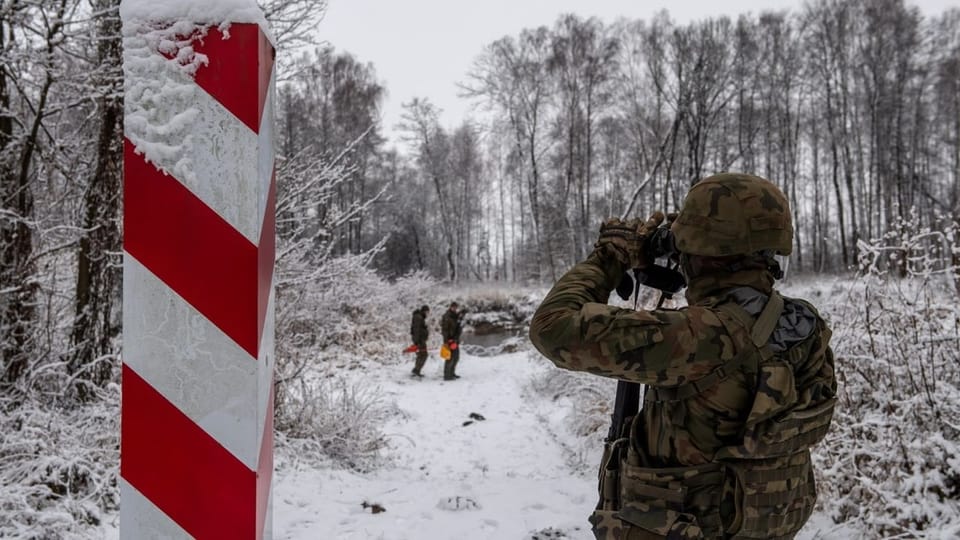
(889, 465)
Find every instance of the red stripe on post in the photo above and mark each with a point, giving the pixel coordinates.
(266, 252)
(192, 250)
(265, 467)
(267, 54)
(230, 77)
(182, 470)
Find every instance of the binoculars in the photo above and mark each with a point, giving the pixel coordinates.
(659, 245)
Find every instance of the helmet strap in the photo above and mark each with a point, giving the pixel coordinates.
(773, 265)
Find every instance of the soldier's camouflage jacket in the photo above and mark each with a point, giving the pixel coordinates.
(721, 446)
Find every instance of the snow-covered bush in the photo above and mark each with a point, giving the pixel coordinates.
(58, 468)
(586, 403)
(332, 312)
(912, 249)
(333, 420)
(890, 465)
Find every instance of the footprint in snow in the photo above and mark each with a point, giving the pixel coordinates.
(551, 533)
(457, 503)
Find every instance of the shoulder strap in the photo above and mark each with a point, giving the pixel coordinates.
(760, 331)
(766, 322)
(763, 326)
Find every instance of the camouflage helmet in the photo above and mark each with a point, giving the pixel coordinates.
(734, 214)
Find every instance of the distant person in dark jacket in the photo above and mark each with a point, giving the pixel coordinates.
(419, 333)
(451, 326)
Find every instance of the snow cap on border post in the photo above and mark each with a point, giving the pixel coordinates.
(199, 228)
(216, 12)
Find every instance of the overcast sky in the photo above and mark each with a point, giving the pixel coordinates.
(422, 48)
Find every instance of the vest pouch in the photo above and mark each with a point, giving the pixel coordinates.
(792, 431)
(776, 495)
(609, 475)
(674, 492)
(637, 521)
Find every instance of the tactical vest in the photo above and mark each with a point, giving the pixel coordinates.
(765, 482)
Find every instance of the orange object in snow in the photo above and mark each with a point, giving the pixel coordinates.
(445, 352)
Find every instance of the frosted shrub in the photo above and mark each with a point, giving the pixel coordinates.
(889, 465)
(910, 249)
(588, 400)
(333, 419)
(58, 468)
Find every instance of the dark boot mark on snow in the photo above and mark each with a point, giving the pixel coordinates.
(474, 416)
(374, 507)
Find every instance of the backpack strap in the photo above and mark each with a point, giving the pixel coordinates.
(766, 322)
(760, 331)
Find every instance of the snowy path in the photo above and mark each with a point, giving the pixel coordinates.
(508, 471)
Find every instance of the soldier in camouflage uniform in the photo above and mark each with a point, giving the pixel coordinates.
(739, 385)
(451, 327)
(419, 333)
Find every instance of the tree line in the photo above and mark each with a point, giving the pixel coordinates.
(851, 106)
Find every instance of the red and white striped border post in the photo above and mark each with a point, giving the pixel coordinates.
(198, 315)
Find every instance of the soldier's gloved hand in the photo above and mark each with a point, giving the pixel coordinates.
(671, 217)
(646, 230)
(625, 239)
(619, 239)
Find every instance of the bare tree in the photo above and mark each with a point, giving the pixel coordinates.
(26, 30)
(421, 125)
(97, 289)
(294, 24)
(511, 76)
(583, 62)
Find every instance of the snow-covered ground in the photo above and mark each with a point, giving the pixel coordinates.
(505, 477)
(501, 477)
